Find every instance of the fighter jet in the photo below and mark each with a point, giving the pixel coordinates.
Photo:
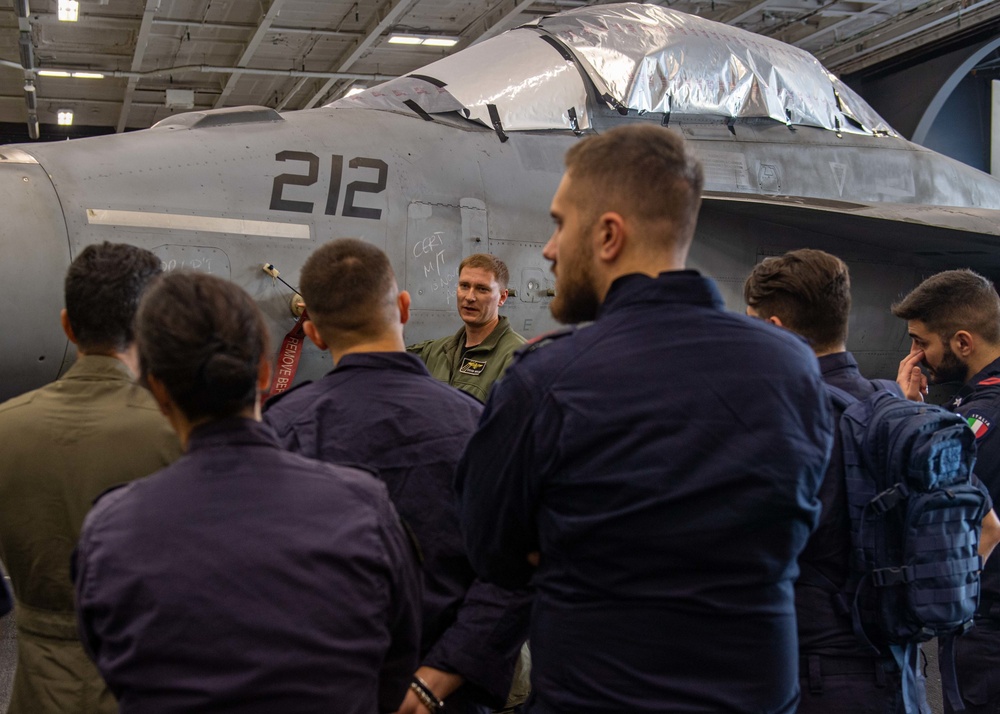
(464, 155)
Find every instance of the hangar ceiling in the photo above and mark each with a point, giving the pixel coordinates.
(161, 57)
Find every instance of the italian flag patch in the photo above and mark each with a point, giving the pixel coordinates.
(978, 424)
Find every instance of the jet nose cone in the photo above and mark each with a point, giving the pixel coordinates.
(34, 255)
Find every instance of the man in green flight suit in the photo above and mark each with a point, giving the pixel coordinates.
(474, 357)
(63, 445)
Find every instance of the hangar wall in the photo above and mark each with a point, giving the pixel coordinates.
(939, 102)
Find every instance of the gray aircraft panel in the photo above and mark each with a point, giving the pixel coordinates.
(34, 254)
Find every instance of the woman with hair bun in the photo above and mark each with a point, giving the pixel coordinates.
(241, 578)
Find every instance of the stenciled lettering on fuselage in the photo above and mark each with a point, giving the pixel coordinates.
(359, 165)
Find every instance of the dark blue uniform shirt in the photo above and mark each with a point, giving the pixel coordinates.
(665, 460)
(822, 630)
(245, 578)
(978, 402)
(384, 410)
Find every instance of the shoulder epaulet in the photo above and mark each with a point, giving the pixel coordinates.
(18, 401)
(989, 382)
(271, 401)
(108, 490)
(547, 338)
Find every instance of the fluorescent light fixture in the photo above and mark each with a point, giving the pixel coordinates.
(66, 73)
(408, 38)
(64, 117)
(69, 10)
(440, 42)
(396, 39)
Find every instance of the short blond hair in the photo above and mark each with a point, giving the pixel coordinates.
(491, 263)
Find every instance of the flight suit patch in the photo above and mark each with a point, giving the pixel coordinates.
(472, 366)
(979, 424)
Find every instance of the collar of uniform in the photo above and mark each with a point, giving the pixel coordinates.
(990, 370)
(491, 339)
(403, 361)
(682, 286)
(99, 367)
(837, 362)
(232, 430)
(458, 340)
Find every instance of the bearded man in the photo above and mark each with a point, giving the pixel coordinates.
(653, 473)
(953, 319)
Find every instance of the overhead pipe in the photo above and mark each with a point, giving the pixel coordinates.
(27, 52)
(210, 69)
(273, 30)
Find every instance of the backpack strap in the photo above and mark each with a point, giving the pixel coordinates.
(841, 399)
(949, 677)
(841, 599)
(914, 694)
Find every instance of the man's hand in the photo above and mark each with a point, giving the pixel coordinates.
(440, 682)
(911, 378)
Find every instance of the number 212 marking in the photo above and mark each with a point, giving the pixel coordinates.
(336, 176)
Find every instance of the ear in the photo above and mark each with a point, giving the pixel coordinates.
(963, 343)
(67, 328)
(610, 239)
(309, 327)
(503, 297)
(264, 374)
(160, 394)
(773, 319)
(403, 302)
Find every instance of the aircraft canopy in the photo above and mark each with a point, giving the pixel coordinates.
(644, 58)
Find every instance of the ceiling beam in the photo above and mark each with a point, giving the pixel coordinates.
(141, 42)
(384, 18)
(509, 11)
(251, 49)
(291, 93)
(738, 13)
(904, 33)
(832, 26)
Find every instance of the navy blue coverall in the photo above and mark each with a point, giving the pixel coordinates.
(838, 672)
(665, 461)
(245, 578)
(384, 411)
(977, 652)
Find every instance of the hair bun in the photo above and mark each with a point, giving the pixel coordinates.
(226, 376)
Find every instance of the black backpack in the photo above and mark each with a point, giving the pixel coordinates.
(916, 512)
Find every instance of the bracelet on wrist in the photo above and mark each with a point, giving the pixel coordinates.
(425, 695)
